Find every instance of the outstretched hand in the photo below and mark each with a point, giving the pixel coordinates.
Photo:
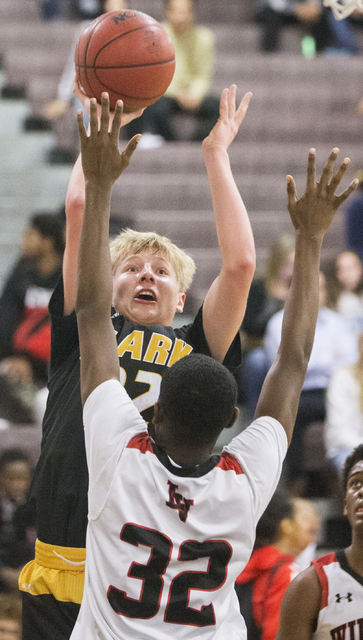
(102, 161)
(85, 100)
(229, 121)
(314, 211)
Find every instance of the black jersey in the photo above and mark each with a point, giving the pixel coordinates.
(60, 481)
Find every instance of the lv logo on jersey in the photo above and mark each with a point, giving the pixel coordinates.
(176, 501)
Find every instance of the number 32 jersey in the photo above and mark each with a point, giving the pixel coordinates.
(164, 543)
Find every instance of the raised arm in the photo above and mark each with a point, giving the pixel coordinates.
(311, 216)
(226, 300)
(300, 607)
(75, 199)
(102, 165)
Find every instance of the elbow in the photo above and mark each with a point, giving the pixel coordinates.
(243, 269)
(75, 203)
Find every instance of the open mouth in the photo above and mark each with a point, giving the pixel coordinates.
(146, 295)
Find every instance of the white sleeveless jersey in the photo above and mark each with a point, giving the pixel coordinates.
(164, 543)
(341, 612)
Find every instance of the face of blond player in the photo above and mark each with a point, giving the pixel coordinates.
(145, 289)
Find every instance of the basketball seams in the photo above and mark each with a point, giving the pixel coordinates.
(126, 66)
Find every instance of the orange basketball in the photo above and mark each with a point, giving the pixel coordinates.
(128, 54)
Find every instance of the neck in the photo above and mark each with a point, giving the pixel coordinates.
(354, 555)
(284, 546)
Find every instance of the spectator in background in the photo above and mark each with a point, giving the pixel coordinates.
(330, 35)
(10, 617)
(285, 530)
(334, 347)
(24, 319)
(16, 545)
(345, 289)
(267, 296)
(189, 89)
(344, 410)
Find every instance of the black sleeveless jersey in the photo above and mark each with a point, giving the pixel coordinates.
(60, 483)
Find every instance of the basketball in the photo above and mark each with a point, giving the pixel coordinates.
(129, 55)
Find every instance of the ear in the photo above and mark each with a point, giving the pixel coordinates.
(180, 304)
(233, 418)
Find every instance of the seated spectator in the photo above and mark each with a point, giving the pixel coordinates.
(285, 530)
(24, 318)
(17, 531)
(10, 617)
(329, 34)
(345, 290)
(334, 347)
(344, 411)
(189, 89)
(267, 296)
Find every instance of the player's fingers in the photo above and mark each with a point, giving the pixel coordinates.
(328, 169)
(310, 180)
(232, 100)
(242, 108)
(116, 123)
(105, 112)
(291, 191)
(93, 118)
(81, 127)
(223, 105)
(131, 148)
(343, 196)
(338, 176)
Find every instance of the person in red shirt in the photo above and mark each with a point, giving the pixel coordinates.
(286, 528)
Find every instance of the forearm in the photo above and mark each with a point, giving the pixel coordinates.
(94, 293)
(233, 227)
(75, 202)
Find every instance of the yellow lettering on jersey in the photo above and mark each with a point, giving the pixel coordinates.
(181, 349)
(158, 349)
(133, 344)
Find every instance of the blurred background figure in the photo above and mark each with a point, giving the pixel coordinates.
(345, 289)
(24, 319)
(10, 617)
(344, 411)
(286, 529)
(318, 22)
(267, 296)
(17, 530)
(189, 90)
(334, 347)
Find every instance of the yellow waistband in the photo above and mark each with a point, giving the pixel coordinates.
(62, 558)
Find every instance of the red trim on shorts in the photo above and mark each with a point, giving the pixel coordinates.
(229, 463)
(319, 564)
(142, 442)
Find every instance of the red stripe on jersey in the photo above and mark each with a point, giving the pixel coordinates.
(319, 564)
(142, 442)
(229, 463)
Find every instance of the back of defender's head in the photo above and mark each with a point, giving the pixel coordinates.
(130, 242)
(351, 461)
(198, 395)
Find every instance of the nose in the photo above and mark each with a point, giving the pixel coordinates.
(147, 274)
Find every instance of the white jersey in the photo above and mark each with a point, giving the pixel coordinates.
(341, 612)
(164, 543)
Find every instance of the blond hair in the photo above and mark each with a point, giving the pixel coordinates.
(130, 242)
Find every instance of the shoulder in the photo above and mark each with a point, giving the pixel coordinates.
(304, 593)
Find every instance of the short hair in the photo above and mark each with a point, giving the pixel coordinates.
(351, 460)
(198, 395)
(281, 506)
(49, 225)
(8, 456)
(130, 242)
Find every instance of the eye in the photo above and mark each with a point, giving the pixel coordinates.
(162, 272)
